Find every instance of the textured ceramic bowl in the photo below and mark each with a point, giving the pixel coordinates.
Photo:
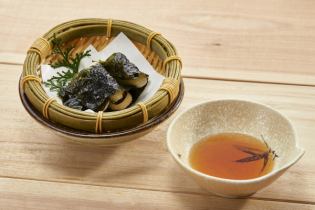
(233, 116)
(104, 139)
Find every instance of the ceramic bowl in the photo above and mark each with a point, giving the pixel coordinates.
(233, 116)
(104, 139)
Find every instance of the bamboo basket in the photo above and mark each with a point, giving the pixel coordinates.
(99, 32)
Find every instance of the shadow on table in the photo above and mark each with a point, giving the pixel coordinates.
(69, 160)
(195, 202)
(75, 161)
(197, 198)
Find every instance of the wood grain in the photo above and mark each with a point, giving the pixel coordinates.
(26, 194)
(247, 50)
(32, 153)
(252, 40)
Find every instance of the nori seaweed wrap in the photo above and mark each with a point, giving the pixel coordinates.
(89, 89)
(112, 84)
(125, 72)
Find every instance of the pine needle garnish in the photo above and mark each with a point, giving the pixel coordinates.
(257, 154)
(55, 83)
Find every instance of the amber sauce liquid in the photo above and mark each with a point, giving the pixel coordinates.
(216, 155)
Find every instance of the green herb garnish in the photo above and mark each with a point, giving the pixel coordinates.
(71, 63)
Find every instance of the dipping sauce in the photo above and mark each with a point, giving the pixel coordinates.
(232, 156)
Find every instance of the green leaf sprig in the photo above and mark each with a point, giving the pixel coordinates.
(62, 78)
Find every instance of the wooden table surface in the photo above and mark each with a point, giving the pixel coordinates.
(251, 49)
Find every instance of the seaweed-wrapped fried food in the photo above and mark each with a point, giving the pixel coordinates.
(90, 89)
(121, 104)
(120, 100)
(114, 84)
(125, 72)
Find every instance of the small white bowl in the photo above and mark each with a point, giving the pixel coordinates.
(233, 116)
